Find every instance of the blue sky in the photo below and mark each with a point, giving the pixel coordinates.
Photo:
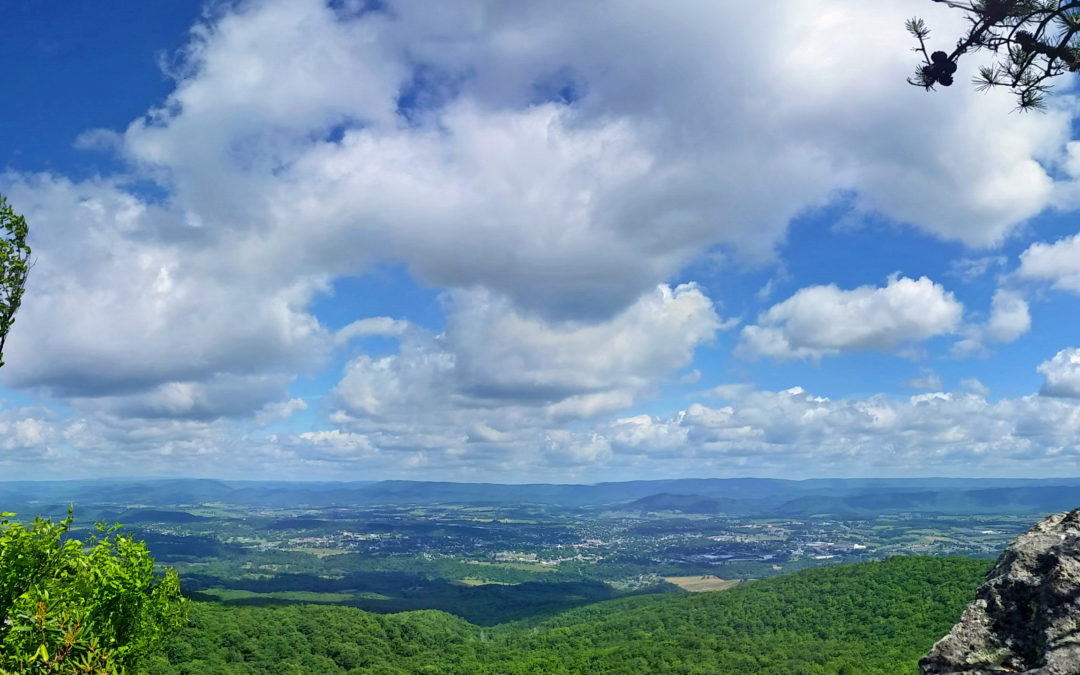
(291, 239)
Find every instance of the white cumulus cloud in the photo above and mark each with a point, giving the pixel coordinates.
(1057, 263)
(1062, 374)
(822, 320)
(492, 355)
(1010, 317)
(547, 175)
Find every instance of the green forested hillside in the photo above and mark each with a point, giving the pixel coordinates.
(868, 618)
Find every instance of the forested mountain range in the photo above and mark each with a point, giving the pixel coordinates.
(407, 577)
(732, 496)
(871, 618)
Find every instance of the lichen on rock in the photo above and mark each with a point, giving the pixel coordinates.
(1026, 617)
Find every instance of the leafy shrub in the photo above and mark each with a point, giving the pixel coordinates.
(71, 606)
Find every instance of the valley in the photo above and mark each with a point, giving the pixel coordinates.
(693, 576)
(495, 553)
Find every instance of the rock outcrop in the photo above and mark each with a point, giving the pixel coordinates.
(1026, 617)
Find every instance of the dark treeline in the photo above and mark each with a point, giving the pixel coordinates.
(867, 618)
(484, 605)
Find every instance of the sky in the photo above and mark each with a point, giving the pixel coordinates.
(523, 242)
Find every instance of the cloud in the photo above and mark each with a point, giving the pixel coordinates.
(382, 326)
(565, 446)
(1057, 263)
(644, 431)
(279, 411)
(927, 434)
(1009, 319)
(421, 375)
(969, 269)
(690, 377)
(824, 320)
(785, 433)
(927, 379)
(314, 159)
(547, 175)
(26, 430)
(492, 355)
(126, 300)
(973, 385)
(345, 140)
(338, 446)
(502, 353)
(766, 291)
(499, 386)
(99, 139)
(1061, 374)
(219, 395)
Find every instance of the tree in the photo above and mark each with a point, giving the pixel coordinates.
(90, 606)
(14, 267)
(1033, 41)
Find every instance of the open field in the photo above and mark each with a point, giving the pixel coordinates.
(699, 583)
(227, 595)
(523, 566)
(319, 552)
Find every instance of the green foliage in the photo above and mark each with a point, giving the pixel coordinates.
(484, 605)
(14, 267)
(484, 594)
(868, 618)
(90, 606)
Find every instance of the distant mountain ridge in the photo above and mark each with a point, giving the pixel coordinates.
(665, 501)
(765, 497)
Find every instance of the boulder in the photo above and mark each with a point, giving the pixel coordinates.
(1026, 617)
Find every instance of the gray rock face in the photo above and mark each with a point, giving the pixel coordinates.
(1026, 617)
